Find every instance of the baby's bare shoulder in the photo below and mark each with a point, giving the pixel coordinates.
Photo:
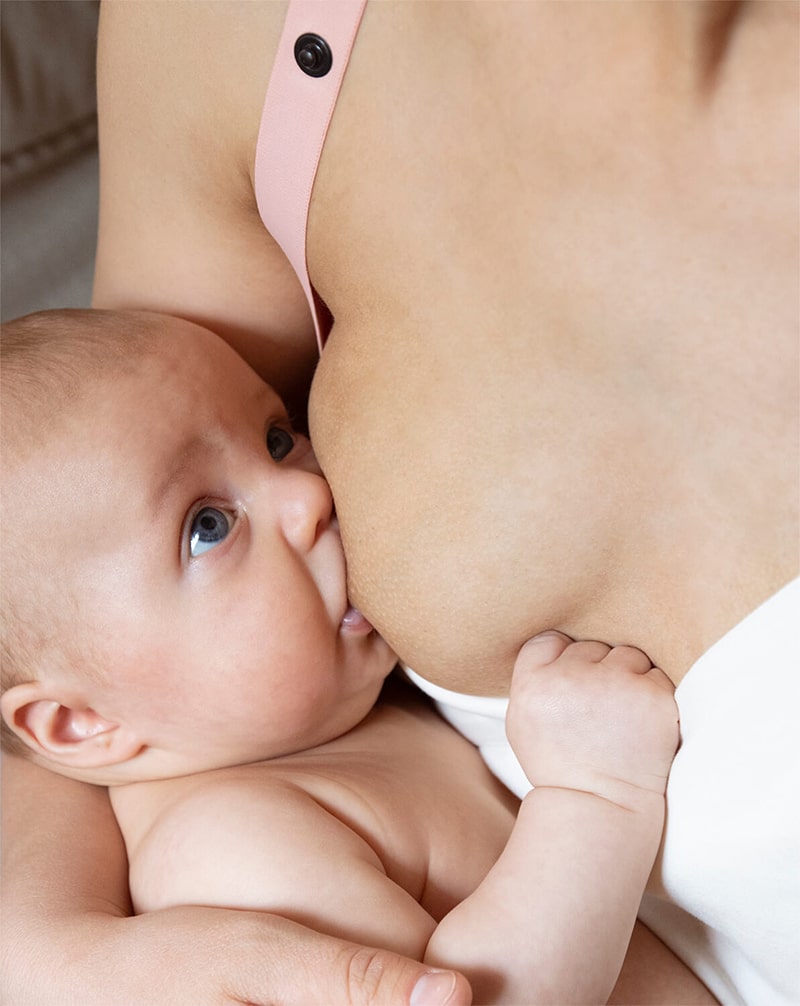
(282, 837)
(240, 837)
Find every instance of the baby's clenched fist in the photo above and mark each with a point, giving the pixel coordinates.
(592, 717)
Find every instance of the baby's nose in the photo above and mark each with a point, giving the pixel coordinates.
(306, 507)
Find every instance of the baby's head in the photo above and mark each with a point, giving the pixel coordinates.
(173, 582)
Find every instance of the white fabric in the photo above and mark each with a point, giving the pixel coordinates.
(725, 890)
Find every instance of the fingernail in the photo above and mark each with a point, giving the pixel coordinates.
(434, 988)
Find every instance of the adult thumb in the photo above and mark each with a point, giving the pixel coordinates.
(273, 960)
(379, 976)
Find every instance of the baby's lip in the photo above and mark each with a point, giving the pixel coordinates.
(354, 623)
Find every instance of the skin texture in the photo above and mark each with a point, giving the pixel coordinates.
(561, 390)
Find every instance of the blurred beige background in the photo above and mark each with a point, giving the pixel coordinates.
(48, 154)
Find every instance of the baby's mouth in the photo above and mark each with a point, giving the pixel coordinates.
(354, 623)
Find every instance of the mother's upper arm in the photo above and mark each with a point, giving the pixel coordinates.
(180, 89)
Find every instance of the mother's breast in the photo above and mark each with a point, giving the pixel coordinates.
(495, 477)
(478, 489)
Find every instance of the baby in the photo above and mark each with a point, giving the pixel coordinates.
(176, 626)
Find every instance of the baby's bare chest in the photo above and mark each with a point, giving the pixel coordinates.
(418, 795)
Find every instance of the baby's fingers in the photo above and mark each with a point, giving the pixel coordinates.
(544, 649)
(628, 658)
(658, 677)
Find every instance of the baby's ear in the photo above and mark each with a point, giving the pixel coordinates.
(68, 735)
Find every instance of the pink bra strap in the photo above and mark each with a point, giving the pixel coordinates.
(297, 112)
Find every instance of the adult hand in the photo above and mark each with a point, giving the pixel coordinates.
(214, 956)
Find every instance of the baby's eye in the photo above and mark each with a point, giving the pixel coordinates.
(279, 442)
(209, 527)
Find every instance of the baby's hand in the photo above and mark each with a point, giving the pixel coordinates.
(592, 717)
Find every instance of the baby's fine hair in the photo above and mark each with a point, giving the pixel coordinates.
(50, 362)
(51, 359)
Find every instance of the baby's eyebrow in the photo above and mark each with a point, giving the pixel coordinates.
(265, 397)
(184, 459)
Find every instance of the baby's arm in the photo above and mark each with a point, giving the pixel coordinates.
(596, 729)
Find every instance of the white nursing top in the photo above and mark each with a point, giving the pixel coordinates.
(725, 890)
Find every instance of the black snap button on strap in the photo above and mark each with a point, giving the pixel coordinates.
(313, 55)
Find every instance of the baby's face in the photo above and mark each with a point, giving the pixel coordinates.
(198, 537)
